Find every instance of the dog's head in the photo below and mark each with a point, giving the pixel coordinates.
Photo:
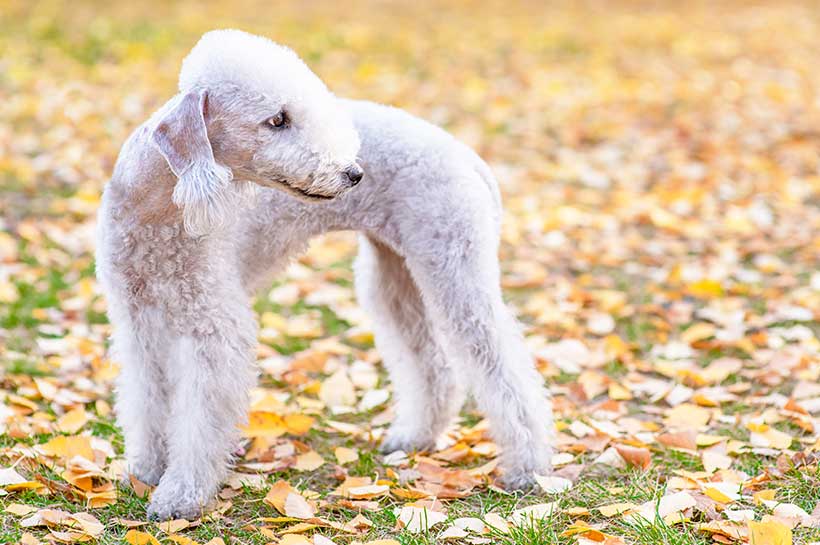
(250, 110)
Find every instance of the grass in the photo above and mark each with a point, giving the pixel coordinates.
(597, 487)
(544, 91)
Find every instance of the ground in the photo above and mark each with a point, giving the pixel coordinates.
(659, 166)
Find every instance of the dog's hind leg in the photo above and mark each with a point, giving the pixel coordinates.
(212, 374)
(427, 396)
(459, 281)
(139, 346)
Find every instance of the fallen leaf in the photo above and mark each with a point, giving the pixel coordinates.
(309, 461)
(419, 519)
(527, 515)
(72, 421)
(345, 455)
(297, 507)
(635, 456)
(770, 532)
(136, 537)
(552, 484)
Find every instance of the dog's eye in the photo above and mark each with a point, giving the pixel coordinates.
(278, 121)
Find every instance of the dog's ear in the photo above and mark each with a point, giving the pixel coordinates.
(202, 184)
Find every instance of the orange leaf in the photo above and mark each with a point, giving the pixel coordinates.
(636, 456)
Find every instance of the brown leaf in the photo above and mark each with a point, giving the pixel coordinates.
(637, 456)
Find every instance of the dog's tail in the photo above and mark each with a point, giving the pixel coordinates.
(486, 175)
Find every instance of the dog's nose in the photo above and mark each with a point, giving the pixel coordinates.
(354, 174)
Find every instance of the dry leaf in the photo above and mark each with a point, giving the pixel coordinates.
(136, 537)
(72, 421)
(552, 484)
(771, 532)
(309, 461)
(297, 507)
(345, 455)
(532, 513)
(419, 519)
(635, 456)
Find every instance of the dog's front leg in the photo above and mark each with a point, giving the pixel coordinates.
(140, 345)
(212, 374)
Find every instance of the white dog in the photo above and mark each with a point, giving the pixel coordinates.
(187, 235)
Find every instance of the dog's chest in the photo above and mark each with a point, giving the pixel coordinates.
(152, 263)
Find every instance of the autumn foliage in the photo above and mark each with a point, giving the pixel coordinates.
(661, 243)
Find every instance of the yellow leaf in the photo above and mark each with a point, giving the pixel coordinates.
(706, 440)
(268, 403)
(771, 532)
(722, 492)
(277, 495)
(68, 447)
(713, 461)
(87, 523)
(173, 526)
(615, 509)
(136, 537)
(8, 292)
(688, 416)
(298, 507)
(764, 435)
(615, 347)
(368, 491)
(698, 332)
(95, 500)
(181, 540)
(19, 509)
(11, 480)
(705, 289)
(309, 461)
(764, 495)
(725, 528)
(717, 495)
(102, 407)
(338, 390)
(298, 424)
(263, 424)
(29, 539)
(704, 401)
(618, 392)
(294, 539)
(345, 455)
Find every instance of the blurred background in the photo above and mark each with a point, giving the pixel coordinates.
(661, 144)
(661, 240)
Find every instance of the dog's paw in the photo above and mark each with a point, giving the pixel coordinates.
(174, 501)
(521, 481)
(406, 440)
(174, 509)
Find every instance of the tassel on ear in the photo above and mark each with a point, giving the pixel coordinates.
(203, 185)
(203, 193)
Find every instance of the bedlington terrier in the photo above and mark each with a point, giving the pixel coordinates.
(225, 184)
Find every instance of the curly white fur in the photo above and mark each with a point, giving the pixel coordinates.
(428, 212)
